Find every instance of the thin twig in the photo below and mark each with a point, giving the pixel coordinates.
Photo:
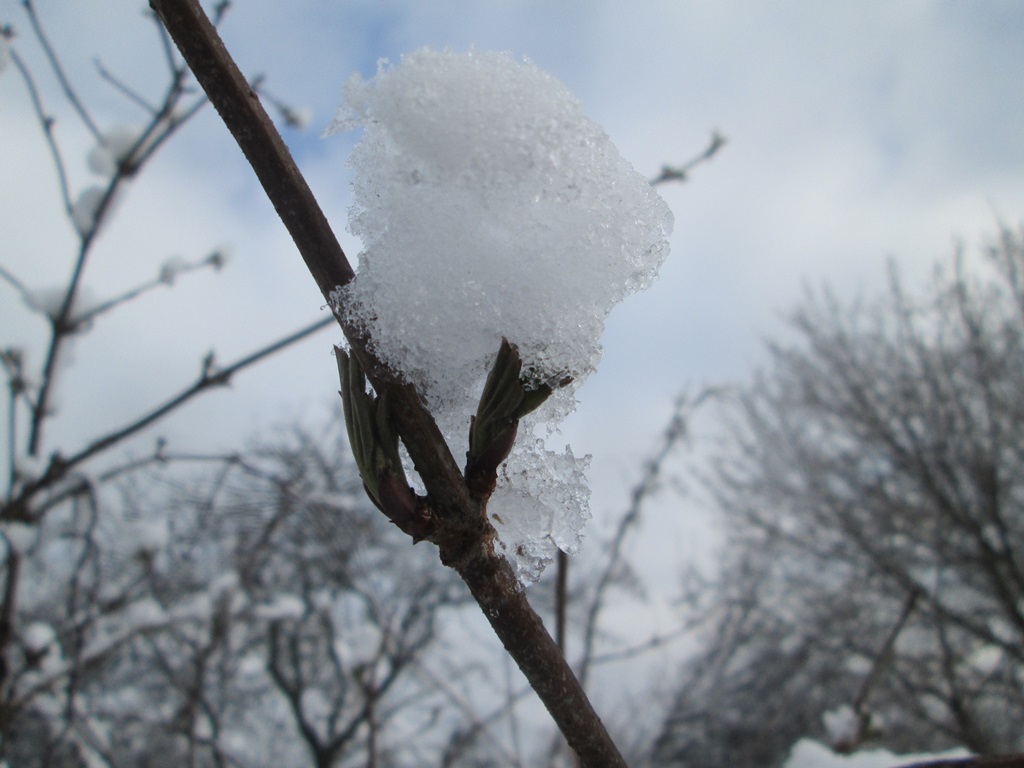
(624, 654)
(11, 279)
(163, 124)
(19, 508)
(682, 172)
(12, 566)
(123, 88)
(561, 598)
(158, 457)
(12, 435)
(58, 69)
(61, 325)
(164, 279)
(46, 122)
(883, 655)
(206, 380)
(674, 432)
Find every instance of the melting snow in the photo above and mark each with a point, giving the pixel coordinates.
(490, 206)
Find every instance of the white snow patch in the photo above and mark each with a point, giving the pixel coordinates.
(986, 659)
(490, 206)
(358, 643)
(114, 147)
(284, 606)
(810, 754)
(21, 536)
(144, 614)
(298, 118)
(540, 505)
(251, 665)
(171, 267)
(149, 536)
(842, 725)
(86, 207)
(38, 636)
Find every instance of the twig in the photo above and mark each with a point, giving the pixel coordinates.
(682, 172)
(158, 456)
(12, 566)
(164, 123)
(11, 279)
(46, 122)
(58, 69)
(19, 508)
(463, 533)
(165, 278)
(12, 420)
(624, 654)
(670, 437)
(883, 655)
(123, 88)
(561, 599)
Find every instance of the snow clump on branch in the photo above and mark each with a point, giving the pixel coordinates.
(489, 206)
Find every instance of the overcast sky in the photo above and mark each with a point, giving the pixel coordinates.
(857, 132)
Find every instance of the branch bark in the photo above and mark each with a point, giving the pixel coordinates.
(462, 533)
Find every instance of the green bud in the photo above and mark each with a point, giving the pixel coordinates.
(375, 449)
(505, 400)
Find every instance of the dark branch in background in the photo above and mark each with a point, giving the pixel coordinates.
(682, 172)
(668, 173)
(165, 278)
(46, 122)
(58, 69)
(165, 120)
(878, 667)
(209, 377)
(13, 361)
(463, 534)
(12, 563)
(12, 280)
(124, 88)
(674, 433)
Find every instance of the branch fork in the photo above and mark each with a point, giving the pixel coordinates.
(455, 518)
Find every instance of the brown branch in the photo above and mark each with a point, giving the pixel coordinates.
(463, 534)
(240, 109)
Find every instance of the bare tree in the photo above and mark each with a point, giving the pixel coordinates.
(279, 624)
(873, 491)
(75, 588)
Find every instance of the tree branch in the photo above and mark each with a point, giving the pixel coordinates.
(19, 507)
(463, 534)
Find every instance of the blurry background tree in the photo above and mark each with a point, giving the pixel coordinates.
(874, 493)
